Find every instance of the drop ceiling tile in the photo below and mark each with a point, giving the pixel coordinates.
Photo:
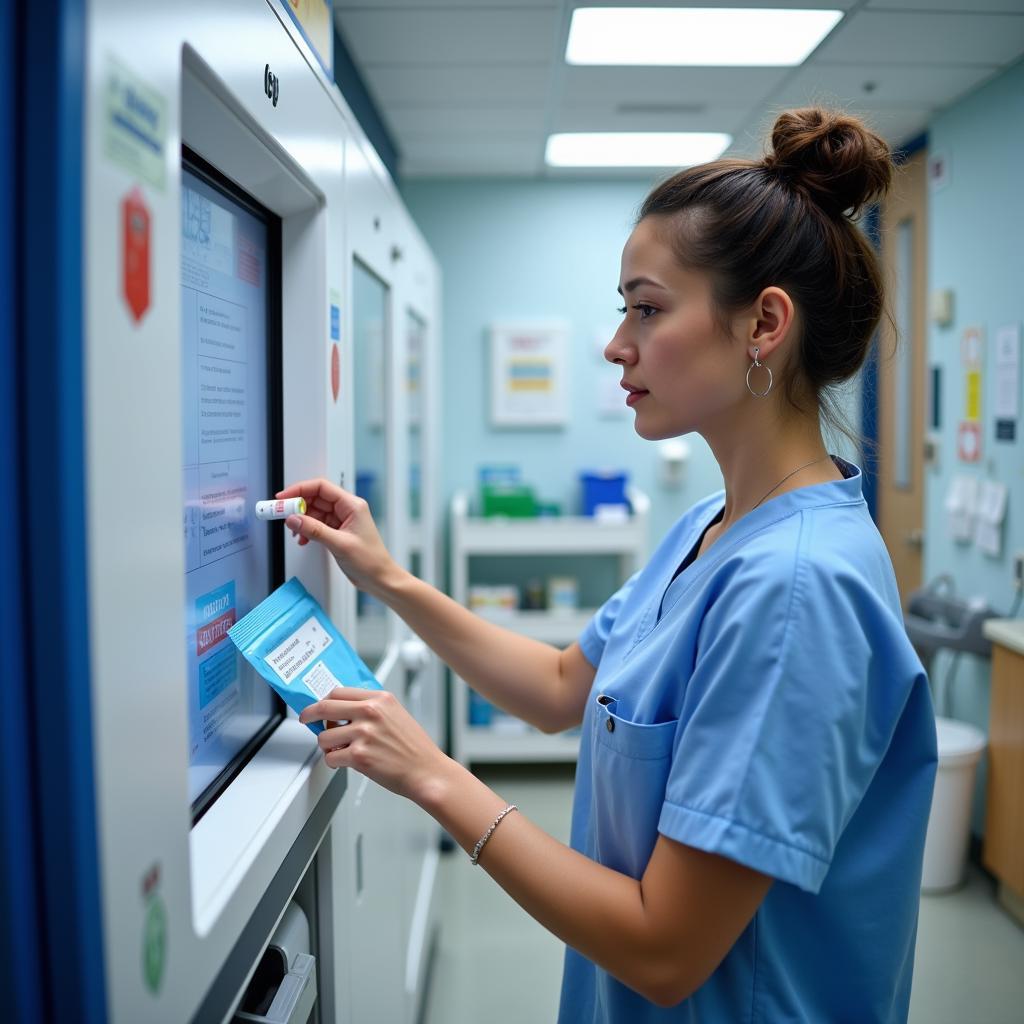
(465, 122)
(459, 85)
(896, 126)
(611, 117)
(883, 37)
(670, 85)
(893, 85)
(425, 158)
(446, 36)
(960, 6)
(379, 5)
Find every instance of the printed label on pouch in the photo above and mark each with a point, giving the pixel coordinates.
(320, 681)
(299, 650)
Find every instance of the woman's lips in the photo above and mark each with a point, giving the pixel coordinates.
(635, 394)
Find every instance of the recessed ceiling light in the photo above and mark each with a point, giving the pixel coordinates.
(634, 149)
(696, 36)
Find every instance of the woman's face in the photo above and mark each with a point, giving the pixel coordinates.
(683, 372)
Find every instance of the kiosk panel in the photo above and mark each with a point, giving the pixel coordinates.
(231, 369)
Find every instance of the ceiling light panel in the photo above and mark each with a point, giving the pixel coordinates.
(696, 36)
(634, 149)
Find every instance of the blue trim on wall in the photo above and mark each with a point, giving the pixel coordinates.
(21, 949)
(358, 97)
(60, 718)
(902, 153)
(869, 386)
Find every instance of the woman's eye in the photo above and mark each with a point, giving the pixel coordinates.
(642, 308)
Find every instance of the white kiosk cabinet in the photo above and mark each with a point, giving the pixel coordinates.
(474, 536)
(228, 196)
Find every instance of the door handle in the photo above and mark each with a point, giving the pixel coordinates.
(915, 539)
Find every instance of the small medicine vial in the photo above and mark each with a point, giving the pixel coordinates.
(280, 508)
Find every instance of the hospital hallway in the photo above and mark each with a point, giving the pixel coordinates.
(414, 412)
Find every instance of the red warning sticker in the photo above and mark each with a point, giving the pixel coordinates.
(335, 371)
(135, 224)
(968, 442)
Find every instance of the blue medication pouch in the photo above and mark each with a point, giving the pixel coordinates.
(291, 642)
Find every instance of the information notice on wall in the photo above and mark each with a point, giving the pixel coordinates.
(224, 387)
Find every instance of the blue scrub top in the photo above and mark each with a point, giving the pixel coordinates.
(766, 706)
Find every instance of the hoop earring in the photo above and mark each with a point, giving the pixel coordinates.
(754, 365)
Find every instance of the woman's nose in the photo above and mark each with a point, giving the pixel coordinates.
(618, 350)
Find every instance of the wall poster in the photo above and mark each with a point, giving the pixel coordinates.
(529, 379)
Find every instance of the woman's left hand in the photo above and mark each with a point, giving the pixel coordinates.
(380, 739)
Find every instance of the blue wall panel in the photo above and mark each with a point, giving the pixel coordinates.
(57, 719)
(20, 933)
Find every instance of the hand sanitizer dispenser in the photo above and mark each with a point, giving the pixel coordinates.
(673, 454)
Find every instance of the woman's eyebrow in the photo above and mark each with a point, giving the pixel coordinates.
(636, 282)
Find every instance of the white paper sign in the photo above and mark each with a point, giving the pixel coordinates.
(991, 511)
(961, 503)
(1007, 398)
(611, 399)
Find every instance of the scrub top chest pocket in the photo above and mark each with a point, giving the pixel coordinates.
(630, 764)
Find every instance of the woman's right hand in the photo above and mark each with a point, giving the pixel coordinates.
(343, 524)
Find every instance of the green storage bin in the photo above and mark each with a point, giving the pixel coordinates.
(518, 502)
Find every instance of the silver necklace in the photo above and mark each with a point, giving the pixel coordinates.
(788, 475)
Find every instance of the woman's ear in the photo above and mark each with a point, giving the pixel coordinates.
(770, 321)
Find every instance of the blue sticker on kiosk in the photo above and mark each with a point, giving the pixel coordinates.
(291, 642)
(335, 323)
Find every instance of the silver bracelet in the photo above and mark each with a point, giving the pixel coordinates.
(482, 841)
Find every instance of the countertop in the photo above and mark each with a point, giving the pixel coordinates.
(1008, 632)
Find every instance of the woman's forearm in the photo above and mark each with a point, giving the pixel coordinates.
(595, 910)
(519, 675)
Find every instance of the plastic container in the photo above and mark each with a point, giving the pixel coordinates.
(603, 487)
(481, 712)
(517, 502)
(949, 823)
(366, 487)
(492, 598)
(563, 594)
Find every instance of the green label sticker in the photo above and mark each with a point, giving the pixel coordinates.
(135, 125)
(154, 944)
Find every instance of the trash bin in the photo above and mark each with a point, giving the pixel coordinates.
(949, 823)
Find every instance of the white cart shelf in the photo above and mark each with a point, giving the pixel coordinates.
(509, 740)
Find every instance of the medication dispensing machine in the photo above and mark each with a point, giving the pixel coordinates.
(257, 308)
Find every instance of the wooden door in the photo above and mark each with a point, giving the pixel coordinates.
(901, 373)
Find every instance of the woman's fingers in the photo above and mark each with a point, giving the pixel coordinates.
(337, 707)
(322, 494)
(310, 489)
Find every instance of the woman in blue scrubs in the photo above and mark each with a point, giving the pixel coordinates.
(758, 743)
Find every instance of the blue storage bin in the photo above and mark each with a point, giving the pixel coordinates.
(603, 487)
(480, 711)
(366, 487)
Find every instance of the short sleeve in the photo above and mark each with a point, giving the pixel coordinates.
(799, 680)
(593, 639)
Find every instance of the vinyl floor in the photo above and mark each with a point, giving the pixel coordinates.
(494, 964)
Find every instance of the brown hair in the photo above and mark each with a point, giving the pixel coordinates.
(787, 220)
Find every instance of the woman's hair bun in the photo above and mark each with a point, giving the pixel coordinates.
(835, 157)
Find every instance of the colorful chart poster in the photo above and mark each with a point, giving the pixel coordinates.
(528, 375)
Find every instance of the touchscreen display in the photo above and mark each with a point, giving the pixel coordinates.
(227, 337)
